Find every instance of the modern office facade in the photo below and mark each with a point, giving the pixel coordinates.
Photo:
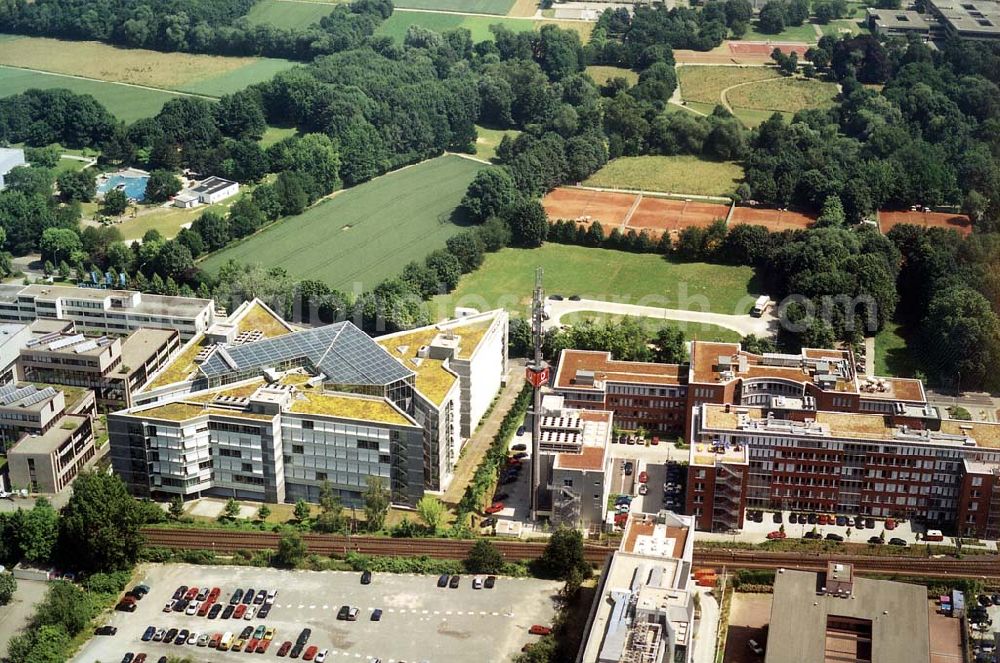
(643, 610)
(254, 409)
(106, 311)
(49, 461)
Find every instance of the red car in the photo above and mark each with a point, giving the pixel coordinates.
(890, 524)
(655, 441)
(310, 653)
(252, 645)
(214, 594)
(496, 507)
(776, 534)
(538, 629)
(823, 519)
(191, 594)
(262, 646)
(285, 646)
(643, 477)
(240, 611)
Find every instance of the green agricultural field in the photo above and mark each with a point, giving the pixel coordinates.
(258, 71)
(498, 7)
(705, 84)
(506, 279)
(489, 139)
(288, 14)
(126, 103)
(787, 95)
(478, 26)
(674, 174)
(693, 331)
(602, 75)
(367, 233)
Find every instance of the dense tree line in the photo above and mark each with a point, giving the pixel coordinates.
(196, 26)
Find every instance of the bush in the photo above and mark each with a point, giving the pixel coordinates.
(107, 583)
(421, 564)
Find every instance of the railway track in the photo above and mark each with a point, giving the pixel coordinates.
(225, 541)
(327, 544)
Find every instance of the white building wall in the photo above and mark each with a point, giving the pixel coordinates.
(487, 370)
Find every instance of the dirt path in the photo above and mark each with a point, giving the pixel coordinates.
(480, 441)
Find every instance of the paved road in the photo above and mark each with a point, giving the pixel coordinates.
(706, 636)
(742, 324)
(15, 615)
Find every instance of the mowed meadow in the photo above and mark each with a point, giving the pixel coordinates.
(367, 233)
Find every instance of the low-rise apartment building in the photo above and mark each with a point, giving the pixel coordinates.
(106, 311)
(643, 609)
(256, 409)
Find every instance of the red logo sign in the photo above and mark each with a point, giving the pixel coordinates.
(537, 377)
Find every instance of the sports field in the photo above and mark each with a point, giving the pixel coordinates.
(584, 206)
(673, 174)
(660, 215)
(774, 220)
(693, 331)
(787, 95)
(957, 222)
(367, 233)
(124, 102)
(507, 278)
(210, 75)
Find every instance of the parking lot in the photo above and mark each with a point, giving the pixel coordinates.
(420, 621)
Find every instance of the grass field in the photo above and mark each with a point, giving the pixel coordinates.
(892, 357)
(787, 95)
(489, 140)
(507, 278)
(210, 75)
(752, 118)
(288, 14)
(705, 84)
(804, 33)
(498, 7)
(674, 174)
(274, 134)
(837, 28)
(602, 75)
(367, 233)
(126, 103)
(693, 331)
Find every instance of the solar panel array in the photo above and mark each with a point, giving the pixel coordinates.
(11, 394)
(344, 353)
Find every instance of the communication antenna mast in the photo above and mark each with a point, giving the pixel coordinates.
(538, 376)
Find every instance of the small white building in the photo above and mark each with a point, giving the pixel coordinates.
(10, 158)
(214, 189)
(185, 200)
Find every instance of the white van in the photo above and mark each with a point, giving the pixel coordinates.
(226, 642)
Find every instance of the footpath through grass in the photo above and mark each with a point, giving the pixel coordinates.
(673, 174)
(786, 95)
(507, 277)
(367, 233)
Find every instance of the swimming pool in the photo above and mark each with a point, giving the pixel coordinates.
(133, 185)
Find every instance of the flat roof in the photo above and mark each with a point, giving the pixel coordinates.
(797, 631)
(51, 439)
(707, 367)
(894, 389)
(644, 536)
(606, 369)
(899, 19)
(141, 345)
(151, 304)
(212, 185)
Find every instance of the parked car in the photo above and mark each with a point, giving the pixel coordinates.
(105, 630)
(168, 606)
(895, 541)
(250, 612)
(321, 656)
(812, 535)
(755, 647)
(283, 649)
(870, 523)
(203, 640)
(193, 607)
(890, 524)
(984, 600)
(160, 633)
(629, 467)
(128, 657)
(823, 520)
(344, 611)
(204, 608)
(875, 540)
(490, 582)
(377, 615)
(643, 489)
(147, 635)
(216, 609)
(170, 635)
(366, 577)
(443, 580)
(352, 616)
(834, 537)
(236, 597)
(191, 594)
(264, 611)
(127, 604)
(538, 629)
(776, 534)
(227, 612)
(841, 520)
(454, 582)
(811, 518)
(180, 592)
(261, 631)
(643, 477)
(181, 637)
(496, 507)
(310, 653)
(262, 646)
(248, 597)
(776, 518)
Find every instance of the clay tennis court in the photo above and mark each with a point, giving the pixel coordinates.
(584, 206)
(774, 220)
(958, 222)
(659, 215)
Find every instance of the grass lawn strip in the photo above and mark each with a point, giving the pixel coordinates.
(489, 140)
(507, 277)
(674, 174)
(602, 75)
(288, 14)
(693, 331)
(367, 233)
(801, 33)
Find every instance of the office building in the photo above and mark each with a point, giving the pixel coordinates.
(575, 465)
(34, 409)
(112, 367)
(643, 609)
(966, 19)
(47, 462)
(835, 616)
(255, 409)
(214, 189)
(894, 22)
(13, 337)
(105, 311)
